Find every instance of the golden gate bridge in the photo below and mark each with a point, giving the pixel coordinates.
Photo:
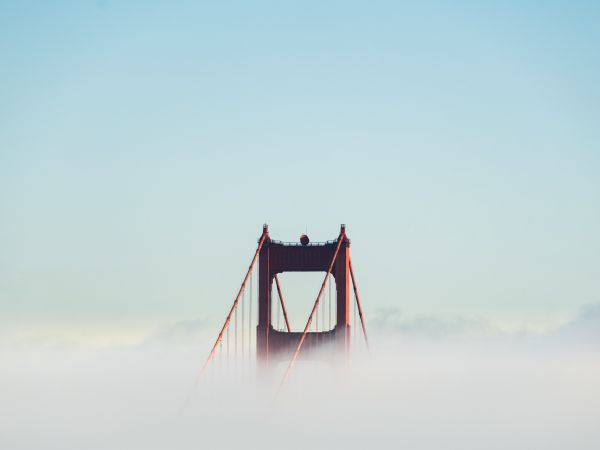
(246, 335)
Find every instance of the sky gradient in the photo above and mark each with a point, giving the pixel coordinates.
(143, 145)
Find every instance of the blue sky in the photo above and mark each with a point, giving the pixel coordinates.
(142, 146)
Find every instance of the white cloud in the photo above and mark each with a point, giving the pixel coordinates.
(430, 383)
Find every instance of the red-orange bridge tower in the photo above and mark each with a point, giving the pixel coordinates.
(277, 257)
(274, 258)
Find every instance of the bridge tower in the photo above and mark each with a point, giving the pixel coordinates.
(277, 257)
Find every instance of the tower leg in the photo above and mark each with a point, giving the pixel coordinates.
(264, 307)
(342, 285)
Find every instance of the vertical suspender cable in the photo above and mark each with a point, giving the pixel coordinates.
(250, 325)
(235, 336)
(330, 302)
(243, 325)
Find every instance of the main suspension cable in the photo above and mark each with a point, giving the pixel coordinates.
(285, 316)
(341, 238)
(278, 314)
(360, 311)
(235, 302)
